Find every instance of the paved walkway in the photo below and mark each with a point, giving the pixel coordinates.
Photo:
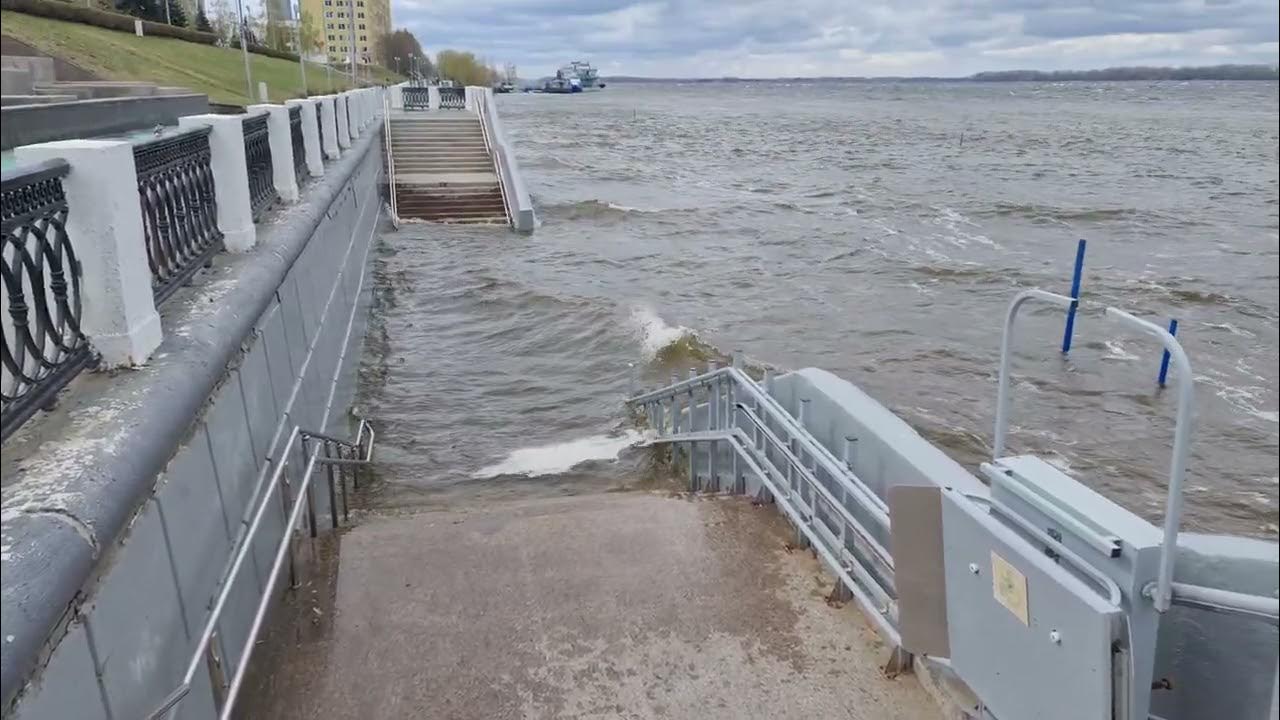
(620, 605)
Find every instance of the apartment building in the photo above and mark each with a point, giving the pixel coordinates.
(348, 24)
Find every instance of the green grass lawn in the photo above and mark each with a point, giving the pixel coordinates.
(217, 72)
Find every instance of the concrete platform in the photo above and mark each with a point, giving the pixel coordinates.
(621, 605)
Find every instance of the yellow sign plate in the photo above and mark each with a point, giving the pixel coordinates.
(1009, 587)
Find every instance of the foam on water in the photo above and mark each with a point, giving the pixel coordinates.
(560, 457)
(654, 332)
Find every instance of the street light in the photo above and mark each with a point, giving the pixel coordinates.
(397, 64)
(244, 50)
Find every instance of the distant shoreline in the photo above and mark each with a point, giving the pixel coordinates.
(1117, 74)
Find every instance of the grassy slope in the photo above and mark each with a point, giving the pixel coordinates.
(217, 72)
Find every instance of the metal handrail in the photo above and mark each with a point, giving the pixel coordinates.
(880, 616)
(1181, 449)
(835, 468)
(1062, 551)
(174, 699)
(482, 111)
(863, 570)
(877, 549)
(1161, 592)
(391, 159)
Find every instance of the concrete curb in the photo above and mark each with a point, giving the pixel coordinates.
(75, 477)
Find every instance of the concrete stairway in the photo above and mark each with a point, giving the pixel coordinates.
(32, 80)
(444, 173)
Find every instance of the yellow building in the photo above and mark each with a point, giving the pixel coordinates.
(345, 25)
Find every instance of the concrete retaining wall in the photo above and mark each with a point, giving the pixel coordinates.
(122, 507)
(30, 124)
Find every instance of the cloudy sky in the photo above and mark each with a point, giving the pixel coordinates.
(771, 38)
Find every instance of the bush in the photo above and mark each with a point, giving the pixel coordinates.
(101, 18)
(262, 50)
(58, 10)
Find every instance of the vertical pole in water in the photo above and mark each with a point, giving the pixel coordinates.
(1075, 296)
(1164, 360)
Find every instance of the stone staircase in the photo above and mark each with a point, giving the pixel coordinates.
(444, 173)
(28, 80)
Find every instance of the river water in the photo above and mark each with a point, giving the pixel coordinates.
(877, 230)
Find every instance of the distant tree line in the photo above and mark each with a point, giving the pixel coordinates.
(1209, 72)
(464, 68)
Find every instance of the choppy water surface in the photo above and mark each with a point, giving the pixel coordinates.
(876, 230)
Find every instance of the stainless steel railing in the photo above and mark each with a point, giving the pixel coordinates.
(294, 501)
(833, 510)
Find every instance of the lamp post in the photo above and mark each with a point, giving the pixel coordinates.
(244, 50)
(302, 51)
(397, 64)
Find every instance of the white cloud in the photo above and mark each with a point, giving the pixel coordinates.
(778, 38)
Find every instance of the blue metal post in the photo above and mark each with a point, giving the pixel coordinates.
(1164, 360)
(1075, 295)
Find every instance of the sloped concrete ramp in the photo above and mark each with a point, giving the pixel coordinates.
(620, 605)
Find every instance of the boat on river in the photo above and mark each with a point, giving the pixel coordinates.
(578, 76)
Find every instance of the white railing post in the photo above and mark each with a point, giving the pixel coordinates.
(433, 97)
(230, 177)
(397, 97)
(278, 137)
(328, 126)
(309, 108)
(344, 126)
(104, 224)
(353, 114)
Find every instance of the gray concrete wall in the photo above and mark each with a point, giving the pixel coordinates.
(30, 124)
(123, 506)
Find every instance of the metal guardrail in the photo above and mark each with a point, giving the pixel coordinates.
(257, 156)
(298, 143)
(453, 98)
(179, 207)
(318, 450)
(845, 523)
(416, 97)
(390, 160)
(43, 346)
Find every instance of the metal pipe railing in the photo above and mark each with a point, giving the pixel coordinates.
(1181, 449)
(877, 549)
(881, 616)
(282, 551)
(837, 469)
(1227, 601)
(1161, 592)
(300, 501)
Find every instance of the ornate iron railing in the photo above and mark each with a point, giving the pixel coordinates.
(416, 98)
(43, 345)
(179, 207)
(453, 98)
(257, 156)
(299, 147)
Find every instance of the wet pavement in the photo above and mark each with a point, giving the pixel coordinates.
(638, 604)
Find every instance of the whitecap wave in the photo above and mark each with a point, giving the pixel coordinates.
(1117, 351)
(560, 457)
(654, 332)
